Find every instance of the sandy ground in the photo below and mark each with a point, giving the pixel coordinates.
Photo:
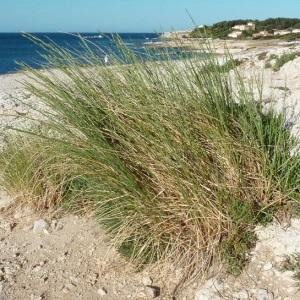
(68, 257)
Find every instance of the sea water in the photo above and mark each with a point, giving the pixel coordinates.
(14, 47)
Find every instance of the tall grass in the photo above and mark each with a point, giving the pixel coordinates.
(174, 158)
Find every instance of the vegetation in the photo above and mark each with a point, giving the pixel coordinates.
(222, 29)
(175, 159)
(279, 61)
(292, 263)
(283, 59)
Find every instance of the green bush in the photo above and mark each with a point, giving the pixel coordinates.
(268, 65)
(174, 158)
(283, 59)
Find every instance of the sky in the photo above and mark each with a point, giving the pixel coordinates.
(134, 15)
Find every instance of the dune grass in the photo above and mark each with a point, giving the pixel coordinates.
(174, 158)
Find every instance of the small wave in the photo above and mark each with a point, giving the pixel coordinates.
(94, 37)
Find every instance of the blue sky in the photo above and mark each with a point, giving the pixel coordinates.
(133, 15)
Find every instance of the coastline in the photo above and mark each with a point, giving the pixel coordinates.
(220, 46)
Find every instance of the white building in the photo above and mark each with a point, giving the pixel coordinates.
(262, 33)
(248, 26)
(282, 32)
(235, 34)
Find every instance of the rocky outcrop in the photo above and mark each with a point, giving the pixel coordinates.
(176, 34)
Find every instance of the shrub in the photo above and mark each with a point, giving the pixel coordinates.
(283, 59)
(292, 263)
(174, 158)
(268, 65)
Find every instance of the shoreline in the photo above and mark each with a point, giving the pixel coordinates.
(219, 46)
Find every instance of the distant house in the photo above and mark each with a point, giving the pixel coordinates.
(262, 33)
(282, 32)
(235, 34)
(242, 27)
(296, 30)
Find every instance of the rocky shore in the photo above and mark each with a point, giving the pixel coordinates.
(59, 256)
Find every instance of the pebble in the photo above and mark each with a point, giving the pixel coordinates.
(92, 278)
(102, 292)
(268, 266)
(242, 295)
(37, 268)
(152, 291)
(70, 286)
(40, 226)
(204, 294)
(147, 280)
(263, 294)
(53, 224)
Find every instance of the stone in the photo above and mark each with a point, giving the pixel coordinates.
(268, 266)
(37, 268)
(102, 292)
(215, 285)
(210, 290)
(204, 294)
(92, 278)
(70, 286)
(53, 224)
(40, 226)
(147, 280)
(141, 295)
(263, 294)
(152, 291)
(242, 295)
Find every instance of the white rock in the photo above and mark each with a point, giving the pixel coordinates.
(37, 268)
(102, 292)
(40, 226)
(141, 295)
(268, 266)
(152, 291)
(70, 286)
(215, 284)
(204, 294)
(210, 290)
(242, 295)
(292, 290)
(53, 224)
(147, 280)
(262, 294)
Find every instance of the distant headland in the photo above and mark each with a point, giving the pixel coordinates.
(271, 28)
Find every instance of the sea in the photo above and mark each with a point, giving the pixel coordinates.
(14, 47)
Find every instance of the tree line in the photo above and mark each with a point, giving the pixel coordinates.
(223, 28)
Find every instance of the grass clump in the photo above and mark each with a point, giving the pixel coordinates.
(283, 59)
(279, 61)
(174, 158)
(292, 263)
(268, 64)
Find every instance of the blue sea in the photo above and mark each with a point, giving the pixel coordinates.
(16, 48)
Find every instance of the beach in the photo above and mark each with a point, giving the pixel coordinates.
(68, 258)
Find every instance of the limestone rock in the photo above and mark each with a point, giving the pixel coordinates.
(102, 292)
(152, 291)
(40, 226)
